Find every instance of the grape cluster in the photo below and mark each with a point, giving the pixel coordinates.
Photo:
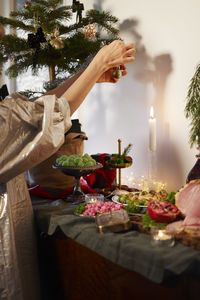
(76, 160)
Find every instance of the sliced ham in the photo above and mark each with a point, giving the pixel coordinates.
(176, 227)
(188, 199)
(188, 202)
(190, 220)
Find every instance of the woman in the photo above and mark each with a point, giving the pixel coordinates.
(30, 132)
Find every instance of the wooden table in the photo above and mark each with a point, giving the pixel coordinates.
(72, 271)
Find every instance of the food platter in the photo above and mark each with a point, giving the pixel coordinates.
(138, 201)
(98, 207)
(115, 165)
(131, 208)
(141, 198)
(77, 171)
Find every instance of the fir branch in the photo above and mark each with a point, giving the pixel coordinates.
(47, 3)
(11, 46)
(16, 24)
(104, 19)
(192, 108)
(127, 150)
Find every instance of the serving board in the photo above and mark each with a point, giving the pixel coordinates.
(190, 239)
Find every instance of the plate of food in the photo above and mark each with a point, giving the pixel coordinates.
(92, 209)
(137, 202)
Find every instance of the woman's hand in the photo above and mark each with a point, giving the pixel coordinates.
(115, 54)
(108, 75)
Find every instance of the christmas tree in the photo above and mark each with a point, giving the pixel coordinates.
(49, 39)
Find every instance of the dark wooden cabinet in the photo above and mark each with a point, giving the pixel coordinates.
(72, 271)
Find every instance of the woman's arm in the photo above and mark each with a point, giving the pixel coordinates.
(61, 89)
(108, 57)
(100, 69)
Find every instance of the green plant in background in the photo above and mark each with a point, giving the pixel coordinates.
(49, 39)
(192, 108)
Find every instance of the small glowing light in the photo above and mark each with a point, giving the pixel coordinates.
(160, 234)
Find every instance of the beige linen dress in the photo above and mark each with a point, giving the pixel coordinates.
(30, 132)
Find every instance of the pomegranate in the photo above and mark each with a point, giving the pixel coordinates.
(162, 211)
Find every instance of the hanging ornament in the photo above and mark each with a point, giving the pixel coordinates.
(117, 73)
(57, 42)
(2, 31)
(3, 92)
(90, 31)
(79, 12)
(34, 41)
(27, 4)
(50, 9)
(78, 8)
(74, 5)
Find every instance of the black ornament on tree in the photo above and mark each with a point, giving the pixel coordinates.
(34, 41)
(77, 7)
(3, 92)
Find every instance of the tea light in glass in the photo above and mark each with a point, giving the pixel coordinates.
(91, 198)
(162, 238)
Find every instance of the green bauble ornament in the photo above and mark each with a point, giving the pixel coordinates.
(117, 73)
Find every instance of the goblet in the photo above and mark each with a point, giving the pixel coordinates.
(77, 196)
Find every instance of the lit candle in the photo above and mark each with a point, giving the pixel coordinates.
(161, 237)
(91, 198)
(152, 130)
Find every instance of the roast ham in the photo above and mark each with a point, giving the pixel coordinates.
(188, 202)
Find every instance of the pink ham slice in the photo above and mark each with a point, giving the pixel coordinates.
(175, 227)
(188, 202)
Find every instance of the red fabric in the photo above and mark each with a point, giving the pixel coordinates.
(39, 191)
(102, 177)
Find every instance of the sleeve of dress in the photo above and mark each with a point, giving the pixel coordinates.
(30, 132)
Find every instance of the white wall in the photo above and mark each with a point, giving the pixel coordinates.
(165, 34)
(168, 50)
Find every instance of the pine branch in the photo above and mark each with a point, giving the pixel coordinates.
(127, 150)
(104, 19)
(16, 24)
(192, 108)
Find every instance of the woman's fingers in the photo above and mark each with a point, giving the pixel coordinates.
(130, 51)
(129, 59)
(129, 46)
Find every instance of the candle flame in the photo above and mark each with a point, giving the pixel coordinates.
(160, 234)
(152, 112)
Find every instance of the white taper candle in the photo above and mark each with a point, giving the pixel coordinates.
(152, 130)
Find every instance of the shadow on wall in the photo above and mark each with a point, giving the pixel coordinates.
(122, 111)
(155, 71)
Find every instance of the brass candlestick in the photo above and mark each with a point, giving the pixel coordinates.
(120, 161)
